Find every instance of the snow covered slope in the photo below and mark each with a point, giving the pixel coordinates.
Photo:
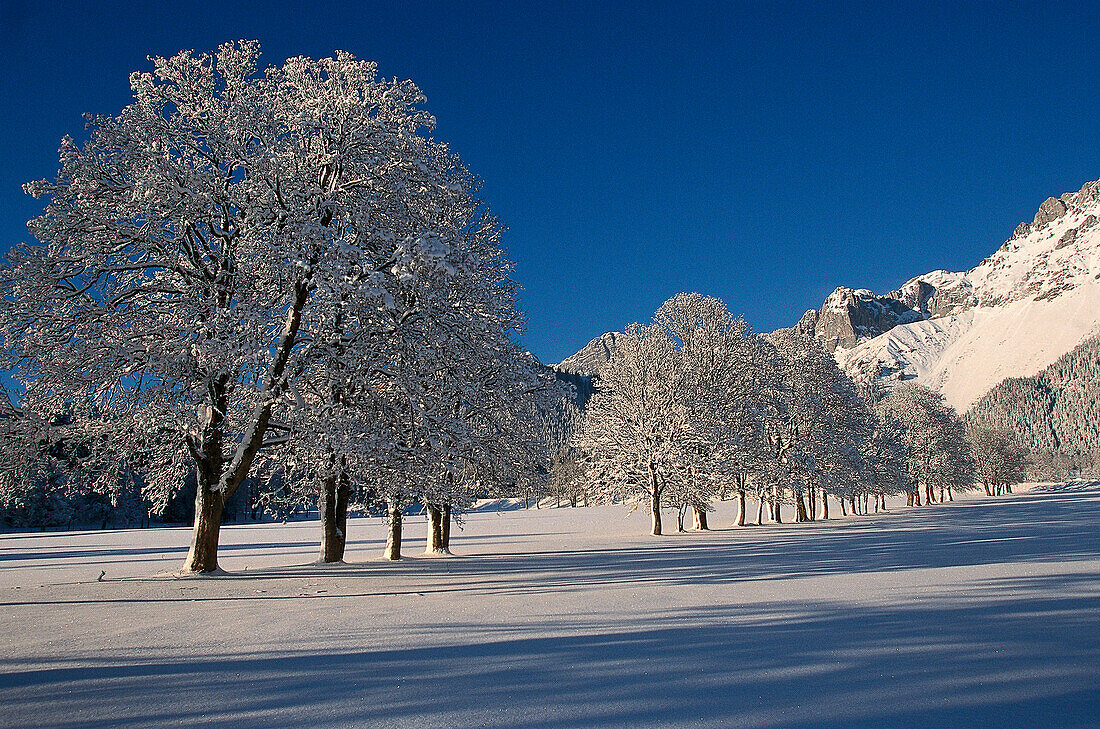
(1015, 313)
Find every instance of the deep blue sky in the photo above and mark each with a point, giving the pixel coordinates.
(761, 152)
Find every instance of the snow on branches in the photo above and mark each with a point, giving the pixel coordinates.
(695, 404)
(240, 259)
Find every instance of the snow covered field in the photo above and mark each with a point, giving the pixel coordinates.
(983, 612)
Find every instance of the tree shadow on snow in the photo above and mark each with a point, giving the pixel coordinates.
(1007, 662)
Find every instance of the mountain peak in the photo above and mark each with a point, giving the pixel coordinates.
(592, 356)
(1028, 303)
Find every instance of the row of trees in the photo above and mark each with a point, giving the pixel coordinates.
(247, 274)
(694, 405)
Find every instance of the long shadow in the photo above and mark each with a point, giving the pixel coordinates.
(1027, 658)
(97, 552)
(1044, 527)
(1035, 528)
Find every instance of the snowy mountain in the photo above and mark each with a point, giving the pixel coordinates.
(1035, 299)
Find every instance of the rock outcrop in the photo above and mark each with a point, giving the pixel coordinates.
(592, 357)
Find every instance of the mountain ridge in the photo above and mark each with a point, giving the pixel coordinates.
(1025, 305)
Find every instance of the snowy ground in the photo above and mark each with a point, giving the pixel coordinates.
(984, 612)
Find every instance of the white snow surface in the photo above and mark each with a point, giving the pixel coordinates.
(1032, 301)
(981, 612)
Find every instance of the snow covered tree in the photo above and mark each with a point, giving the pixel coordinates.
(199, 251)
(1000, 462)
(729, 389)
(824, 427)
(935, 440)
(637, 429)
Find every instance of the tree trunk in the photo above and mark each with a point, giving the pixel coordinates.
(655, 502)
(928, 494)
(446, 527)
(811, 507)
(916, 496)
(393, 540)
(824, 504)
(852, 503)
(203, 554)
(760, 510)
(680, 516)
(435, 529)
(700, 521)
(843, 508)
(740, 507)
(799, 507)
(332, 536)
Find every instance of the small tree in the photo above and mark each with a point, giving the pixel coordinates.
(636, 428)
(1000, 462)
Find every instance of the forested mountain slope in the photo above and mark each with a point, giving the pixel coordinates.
(1056, 413)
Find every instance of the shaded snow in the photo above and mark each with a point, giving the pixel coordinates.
(976, 613)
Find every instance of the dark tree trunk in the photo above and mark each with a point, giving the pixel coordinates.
(393, 541)
(445, 528)
(680, 510)
(760, 510)
(740, 507)
(333, 507)
(332, 540)
(203, 554)
(811, 507)
(843, 508)
(799, 507)
(700, 522)
(435, 529)
(824, 504)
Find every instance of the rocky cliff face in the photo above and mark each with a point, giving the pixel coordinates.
(588, 361)
(1033, 300)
